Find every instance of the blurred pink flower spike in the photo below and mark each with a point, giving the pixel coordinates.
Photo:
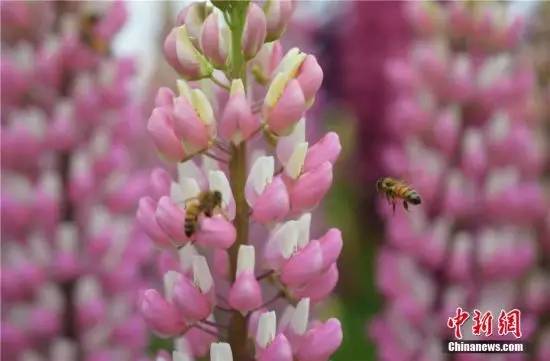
(237, 122)
(254, 33)
(162, 316)
(183, 55)
(271, 346)
(320, 341)
(266, 195)
(194, 299)
(245, 294)
(215, 39)
(277, 13)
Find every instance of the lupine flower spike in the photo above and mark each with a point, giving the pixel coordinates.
(218, 284)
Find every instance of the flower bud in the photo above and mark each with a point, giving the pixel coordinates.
(215, 39)
(193, 17)
(319, 287)
(164, 98)
(266, 61)
(271, 346)
(277, 13)
(326, 149)
(254, 32)
(266, 195)
(245, 294)
(237, 122)
(310, 188)
(303, 265)
(321, 341)
(184, 57)
(310, 77)
(284, 105)
(331, 246)
(161, 128)
(162, 316)
(193, 304)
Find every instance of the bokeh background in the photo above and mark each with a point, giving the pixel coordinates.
(451, 96)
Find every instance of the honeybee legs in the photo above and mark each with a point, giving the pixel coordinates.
(406, 205)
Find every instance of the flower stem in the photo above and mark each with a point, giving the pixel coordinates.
(237, 171)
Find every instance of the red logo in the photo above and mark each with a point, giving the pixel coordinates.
(482, 323)
(510, 322)
(457, 321)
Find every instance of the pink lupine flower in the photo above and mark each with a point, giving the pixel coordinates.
(266, 194)
(254, 32)
(277, 14)
(237, 122)
(214, 40)
(270, 345)
(220, 130)
(245, 294)
(162, 316)
(184, 57)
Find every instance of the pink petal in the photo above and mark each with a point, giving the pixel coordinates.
(303, 266)
(273, 204)
(216, 232)
(245, 293)
(327, 149)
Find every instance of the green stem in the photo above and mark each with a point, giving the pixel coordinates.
(237, 172)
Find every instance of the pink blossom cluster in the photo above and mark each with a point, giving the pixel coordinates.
(465, 138)
(73, 257)
(241, 285)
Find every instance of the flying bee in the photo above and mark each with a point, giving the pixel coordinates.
(395, 189)
(205, 203)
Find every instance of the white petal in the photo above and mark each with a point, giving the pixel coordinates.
(186, 254)
(286, 317)
(180, 356)
(286, 145)
(284, 239)
(217, 181)
(209, 164)
(303, 223)
(186, 189)
(267, 326)
(246, 259)
(220, 351)
(201, 274)
(300, 317)
(189, 169)
(169, 279)
(293, 167)
(202, 106)
(261, 173)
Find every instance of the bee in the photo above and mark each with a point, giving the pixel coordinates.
(205, 203)
(395, 189)
(88, 22)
